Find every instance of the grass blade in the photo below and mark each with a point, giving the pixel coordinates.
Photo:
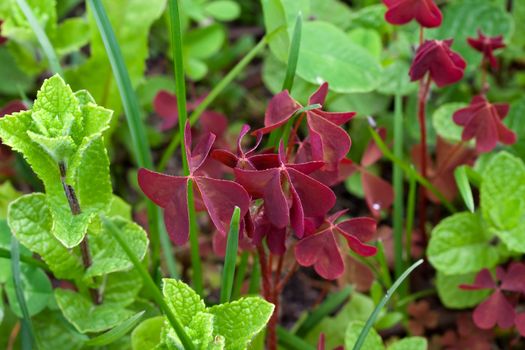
(4, 253)
(149, 284)
(410, 171)
(116, 333)
(398, 186)
(239, 67)
(41, 36)
(180, 91)
(136, 126)
(460, 174)
(27, 324)
(332, 303)
(291, 341)
(371, 320)
(232, 246)
(239, 276)
(411, 212)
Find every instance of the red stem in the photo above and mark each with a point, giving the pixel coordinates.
(424, 87)
(293, 134)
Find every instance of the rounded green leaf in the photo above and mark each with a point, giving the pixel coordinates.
(373, 340)
(443, 123)
(147, 334)
(223, 10)
(411, 343)
(327, 54)
(395, 79)
(37, 290)
(461, 244)
(455, 298)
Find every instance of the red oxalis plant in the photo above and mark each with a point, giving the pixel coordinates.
(425, 12)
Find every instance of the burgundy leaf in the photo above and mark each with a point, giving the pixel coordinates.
(482, 121)
(316, 199)
(280, 109)
(372, 153)
(379, 194)
(514, 279)
(519, 322)
(436, 58)
(425, 12)
(483, 280)
(486, 45)
(319, 95)
(12, 107)
(496, 310)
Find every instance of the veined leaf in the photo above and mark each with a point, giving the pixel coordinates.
(182, 300)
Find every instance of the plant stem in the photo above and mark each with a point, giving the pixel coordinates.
(398, 187)
(411, 210)
(232, 245)
(196, 265)
(149, 284)
(422, 100)
(255, 277)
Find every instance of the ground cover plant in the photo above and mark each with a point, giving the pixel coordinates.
(274, 174)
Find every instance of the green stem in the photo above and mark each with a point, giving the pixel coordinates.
(411, 212)
(41, 36)
(133, 116)
(196, 264)
(383, 265)
(239, 276)
(409, 170)
(371, 320)
(239, 67)
(255, 278)
(398, 187)
(149, 284)
(291, 341)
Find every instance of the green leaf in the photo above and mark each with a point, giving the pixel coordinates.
(460, 175)
(200, 330)
(54, 332)
(455, 298)
(7, 195)
(116, 333)
(87, 317)
(107, 255)
(461, 244)
(30, 221)
(37, 290)
(17, 27)
(223, 10)
(147, 334)
(443, 123)
(239, 321)
(463, 19)
(182, 300)
(122, 288)
(395, 79)
(327, 54)
(72, 34)
(373, 340)
(14, 79)
(514, 122)
(131, 20)
(368, 39)
(275, 18)
(410, 343)
(502, 196)
(204, 42)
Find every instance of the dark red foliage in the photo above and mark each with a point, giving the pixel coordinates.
(425, 12)
(6, 156)
(437, 59)
(321, 248)
(3, 39)
(468, 336)
(328, 141)
(218, 197)
(379, 194)
(486, 45)
(498, 308)
(441, 172)
(482, 121)
(421, 317)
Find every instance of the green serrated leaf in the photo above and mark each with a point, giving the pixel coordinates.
(239, 321)
(108, 256)
(122, 288)
(30, 221)
(7, 195)
(87, 317)
(461, 244)
(182, 300)
(72, 34)
(410, 343)
(147, 334)
(54, 332)
(116, 333)
(454, 297)
(373, 340)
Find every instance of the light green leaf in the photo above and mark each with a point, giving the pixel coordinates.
(182, 300)
(373, 340)
(87, 317)
(202, 43)
(514, 118)
(327, 54)
(122, 288)
(461, 244)
(72, 34)
(223, 10)
(54, 332)
(147, 334)
(444, 124)
(239, 321)
(410, 343)
(16, 26)
(200, 331)
(503, 199)
(108, 256)
(454, 297)
(59, 148)
(37, 290)
(368, 39)
(14, 79)
(116, 333)
(7, 195)
(131, 20)
(275, 18)
(31, 222)
(463, 19)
